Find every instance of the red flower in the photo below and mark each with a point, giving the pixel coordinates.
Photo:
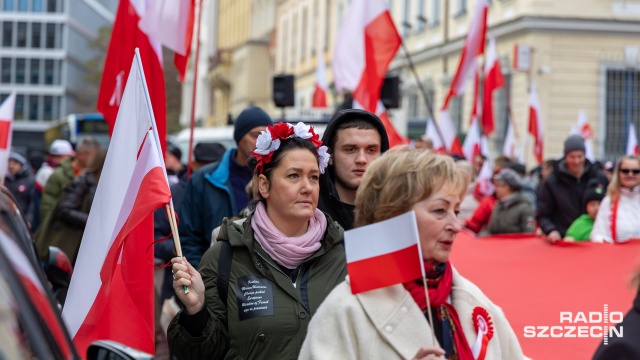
(315, 139)
(280, 131)
(262, 159)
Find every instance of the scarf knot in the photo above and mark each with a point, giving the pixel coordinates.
(289, 252)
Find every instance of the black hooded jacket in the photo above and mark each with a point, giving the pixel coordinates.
(561, 196)
(329, 201)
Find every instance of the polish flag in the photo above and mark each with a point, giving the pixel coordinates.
(471, 145)
(367, 42)
(484, 185)
(170, 22)
(320, 92)
(493, 80)
(37, 294)
(535, 122)
(392, 134)
(473, 46)
(511, 148)
(432, 133)
(449, 133)
(125, 38)
(583, 129)
(632, 141)
(7, 109)
(111, 291)
(384, 254)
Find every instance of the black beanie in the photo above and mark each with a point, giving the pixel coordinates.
(595, 191)
(174, 150)
(574, 143)
(248, 119)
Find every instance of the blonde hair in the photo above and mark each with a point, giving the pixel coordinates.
(396, 181)
(613, 190)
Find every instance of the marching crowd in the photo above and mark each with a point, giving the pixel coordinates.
(262, 228)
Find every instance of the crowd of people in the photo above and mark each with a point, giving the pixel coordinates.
(262, 227)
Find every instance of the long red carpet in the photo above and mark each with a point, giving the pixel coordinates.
(534, 281)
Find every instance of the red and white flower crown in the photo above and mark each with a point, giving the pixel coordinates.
(269, 141)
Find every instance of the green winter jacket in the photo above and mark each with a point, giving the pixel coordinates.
(52, 192)
(513, 215)
(266, 316)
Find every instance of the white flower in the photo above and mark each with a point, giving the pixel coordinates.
(302, 131)
(323, 158)
(264, 143)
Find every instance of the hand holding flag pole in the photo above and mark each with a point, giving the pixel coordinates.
(171, 214)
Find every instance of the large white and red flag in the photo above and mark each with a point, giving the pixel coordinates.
(493, 80)
(384, 253)
(632, 141)
(449, 133)
(7, 109)
(170, 22)
(473, 46)
(126, 36)
(583, 129)
(111, 291)
(321, 86)
(535, 123)
(366, 43)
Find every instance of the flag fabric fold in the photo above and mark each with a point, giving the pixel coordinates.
(7, 109)
(111, 291)
(473, 46)
(535, 123)
(493, 80)
(471, 145)
(449, 133)
(384, 253)
(432, 133)
(632, 141)
(125, 38)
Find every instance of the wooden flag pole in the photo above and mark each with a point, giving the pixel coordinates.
(174, 230)
(429, 315)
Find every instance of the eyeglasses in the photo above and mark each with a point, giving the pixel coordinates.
(633, 171)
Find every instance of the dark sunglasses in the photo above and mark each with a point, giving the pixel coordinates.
(633, 171)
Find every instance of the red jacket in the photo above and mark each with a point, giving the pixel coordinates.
(482, 215)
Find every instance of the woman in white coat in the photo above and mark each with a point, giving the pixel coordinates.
(391, 322)
(619, 213)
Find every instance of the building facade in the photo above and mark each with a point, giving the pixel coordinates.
(44, 48)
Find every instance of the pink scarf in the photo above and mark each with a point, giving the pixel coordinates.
(289, 252)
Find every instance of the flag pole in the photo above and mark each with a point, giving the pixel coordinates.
(174, 228)
(424, 283)
(427, 102)
(171, 214)
(194, 91)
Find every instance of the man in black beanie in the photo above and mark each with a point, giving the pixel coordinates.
(217, 190)
(562, 194)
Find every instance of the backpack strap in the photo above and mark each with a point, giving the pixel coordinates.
(224, 270)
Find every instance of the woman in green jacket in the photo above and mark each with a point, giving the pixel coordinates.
(259, 285)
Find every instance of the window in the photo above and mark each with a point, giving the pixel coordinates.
(622, 107)
(33, 107)
(294, 39)
(406, 25)
(48, 107)
(37, 5)
(19, 112)
(8, 5)
(455, 111)
(22, 34)
(7, 34)
(36, 35)
(303, 47)
(5, 63)
(435, 12)
(21, 70)
(461, 8)
(51, 6)
(34, 72)
(327, 25)
(421, 20)
(50, 36)
(412, 103)
(23, 5)
(48, 72)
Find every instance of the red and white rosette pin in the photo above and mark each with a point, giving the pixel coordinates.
(484, 328)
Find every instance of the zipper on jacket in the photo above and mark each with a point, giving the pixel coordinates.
(275, 267)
